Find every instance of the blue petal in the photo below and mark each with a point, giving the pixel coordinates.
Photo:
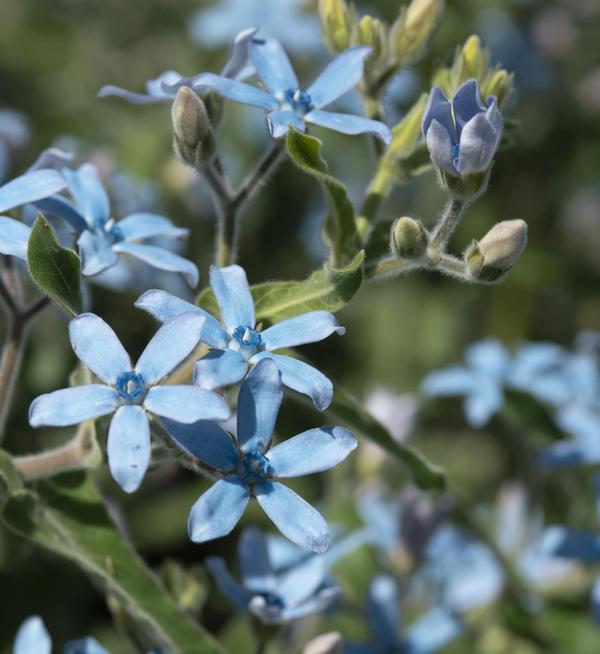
(273, 66)
(455, 380)
(128, 447)
(97, 345)
(312, 451)
(218, 510)
(14, 237)
(206, 441)
(255, 565)
(258, 405)
(434, 630)
(315, 605)
(230, 587)
(171, 344)
(84, 646)
(231, 289)
(220, 368)
(478, 143)
(489, 357)
(441, 148)
(89, 194)
(279, 122)
(483, 402)
(56, 205)
(186, 404)
(440, 110)
(301, 377)
(302, 581)
(580, 421)
(349, 124)
(161, 259)
(306, 328)
(70, 406)
(293, 516)
(236, 91)
(96, 253)
(156, 91)
(32, 638)
(571, 544)
(467, 103)
(30, 187)
(240, 54)
(339, 76)
(164, 306)
(138, 226)
(570, 454)
(383, 612)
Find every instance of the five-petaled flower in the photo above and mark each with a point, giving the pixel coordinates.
(250, 469)
(237, 343)
(462, 135)
(287, 104)
(274, 593)
(129, 392)
(102, 238)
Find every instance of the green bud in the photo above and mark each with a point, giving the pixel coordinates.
(465, 187)
(409, 239)
(191, 127)
(335, 24)
(414, 28)
(490, 259)
(372, 32)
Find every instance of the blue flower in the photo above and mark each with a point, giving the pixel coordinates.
(287, 104)
(462, 135)
(14, 133)
(32, 638)
(164, 87)
(271, 593)
(434, 630)
(129, 392)
(251, 469)
(237, 344)
(103, 239)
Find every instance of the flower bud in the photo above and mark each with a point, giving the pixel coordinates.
(329, 643)
(492, 258)
(373, 32)
(335, 24)
(409, 238)
(414, 28)
(191, 127)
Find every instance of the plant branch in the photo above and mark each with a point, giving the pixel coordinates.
(447, 223)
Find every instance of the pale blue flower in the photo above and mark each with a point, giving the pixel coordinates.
(286, 103)
(129, 392)
(272, 594)
(14, 133)
(462, 135)
(236, 342)
(32, 638)
(251, 468)
(103, 239)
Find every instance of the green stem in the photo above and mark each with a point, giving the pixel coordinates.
(272, 157)
(390, 267)
(447, 223)
(377, 192)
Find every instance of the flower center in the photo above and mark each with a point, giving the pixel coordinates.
(298, 100)
(246, 340)
(455, 153)
(113, 231)
(254, 467)
(131, 388)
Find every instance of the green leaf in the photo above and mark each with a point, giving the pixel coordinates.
(67, 516)
(56, 270)
(339, 230)
(348, 410)
(328, 289)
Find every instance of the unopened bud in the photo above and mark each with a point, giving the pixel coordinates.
(373, 32)
(191, 126)
(335, 24)
(409, 238)
(490, 259)
(414, 28)
(329, 643)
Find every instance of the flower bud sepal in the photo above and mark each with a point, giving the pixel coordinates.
(464, 187)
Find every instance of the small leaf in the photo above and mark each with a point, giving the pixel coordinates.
(339, 230)
(56, 270)
(328, 289)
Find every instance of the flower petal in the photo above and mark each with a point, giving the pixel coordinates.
(301, 377)
(206, 441)
(489, 357)
(97, 345)
(440, 146)
(295, 518)
(312, 451)
(467, 103)
(384, 613)
(138, 226)
(240, 54)
(478, 145)
(14, 237)
(128, 447)
(349, 124)
(279, 122)
(570, 544)
(340, 75)
(70, 406)
(454, 380)
(86, 645)
(218, 510)
(236, 91)
(56, 205)
(228, 585)
(164, 306)
(32, 638)
(170, 346)
(273, 66)
(156, 92)
(439, 109)
(30, 187)
(254, 561)
(186, 404)
(432, 631)
(220, 368)
(302, 580)
(89, 194)
(483, 402)
(306, 328)
(161, 259)
(315, 605)
(231, 289)
(96, 253)
(258, 405)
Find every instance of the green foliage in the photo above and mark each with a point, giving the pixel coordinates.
(56, 270)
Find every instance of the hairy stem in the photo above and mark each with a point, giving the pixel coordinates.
(447, 223)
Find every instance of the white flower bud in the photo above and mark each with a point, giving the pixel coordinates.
(490, 259)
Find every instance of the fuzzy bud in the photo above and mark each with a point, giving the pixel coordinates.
(490, 259)
(409, 238)
(191, 127)
(335, 24)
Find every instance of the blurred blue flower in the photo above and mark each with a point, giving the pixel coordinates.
(287, 104)
(236, 342)
(463, 135)
(434, 630)
(251, 469)
(129, 392)
(14, 133)
(32, 638)
(103, 239)
(272, 594)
